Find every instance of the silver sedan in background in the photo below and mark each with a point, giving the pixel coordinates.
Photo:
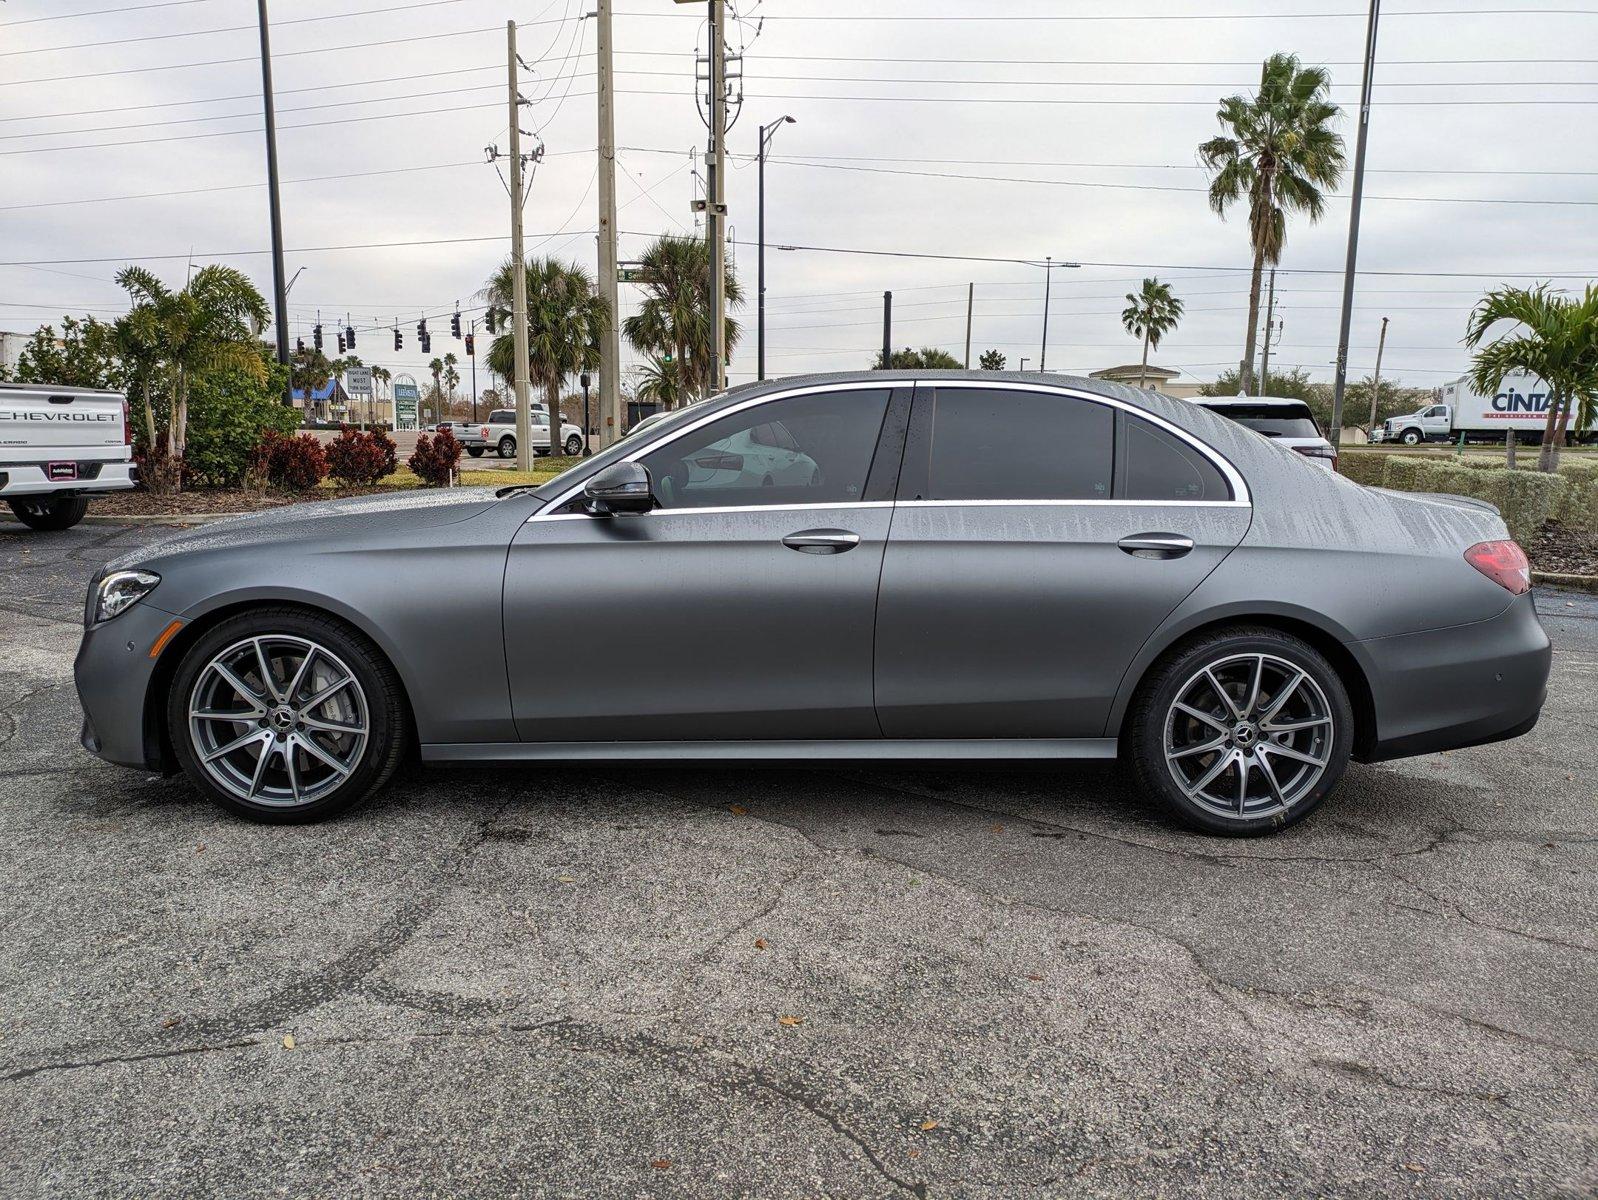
(969, 566)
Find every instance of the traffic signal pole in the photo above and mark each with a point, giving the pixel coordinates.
(524, 423)
(610, 338)
(716, 194)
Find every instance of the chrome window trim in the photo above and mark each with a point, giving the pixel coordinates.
(1074, 503)
(730, 508)
(1240, 493)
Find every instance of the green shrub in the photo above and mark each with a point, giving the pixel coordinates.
(229, 415)
(1403, 473)
(1362, 466)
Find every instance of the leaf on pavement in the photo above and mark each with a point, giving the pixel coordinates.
(760, 943)
(790, 1020)
(926, 1125)
(737, 810)
(288, 1041)
(661, 1164)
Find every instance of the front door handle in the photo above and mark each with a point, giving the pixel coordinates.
(822, 541)
(1156, 545)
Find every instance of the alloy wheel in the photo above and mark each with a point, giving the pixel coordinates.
(278, 720)
(1248, 735)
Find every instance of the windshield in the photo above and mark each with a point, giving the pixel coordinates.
(1273, 420)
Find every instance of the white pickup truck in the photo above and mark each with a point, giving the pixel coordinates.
(1520, 403)
(498, 433)
(58, 447)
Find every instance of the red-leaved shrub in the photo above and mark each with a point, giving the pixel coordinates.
(295, 464)
(360, 459)
(436, 458)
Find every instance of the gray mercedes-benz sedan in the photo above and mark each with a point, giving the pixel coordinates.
(879, 565)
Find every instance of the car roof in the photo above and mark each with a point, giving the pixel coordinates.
(1264, 401)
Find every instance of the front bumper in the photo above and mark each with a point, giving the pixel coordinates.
(112, 671)
(1460, 686)
(33, 479)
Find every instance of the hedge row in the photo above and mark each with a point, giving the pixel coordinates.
(1525, 498)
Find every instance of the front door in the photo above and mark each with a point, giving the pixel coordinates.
(1040, 538)
(742, 607)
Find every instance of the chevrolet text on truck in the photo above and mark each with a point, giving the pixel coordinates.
(1520, 403)
(58, 447)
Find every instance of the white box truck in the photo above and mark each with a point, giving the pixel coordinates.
(1520, 403)
(58, 447)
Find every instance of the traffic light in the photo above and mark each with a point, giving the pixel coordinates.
(349, 336)
(427, 342)
(491, 319)
(471, 345)
(399, 341)
(316, 335)
(421, 328)
(341, 343)
(455, 325)
(299, 345)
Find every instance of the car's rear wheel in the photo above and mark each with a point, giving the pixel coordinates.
(285, 716)
(1241, 732)
(475, 451)
(50, 513)
(507, 447)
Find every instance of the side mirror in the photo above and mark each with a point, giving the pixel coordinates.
(620, 488)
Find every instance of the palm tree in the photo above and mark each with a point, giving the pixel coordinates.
(660, 382)
(208, 326)
(1281, 153)
(674, 318)
(380, 375)
(437, 368)
(565, 317)
(1550, 336)
(452, 377)
(1150, 314)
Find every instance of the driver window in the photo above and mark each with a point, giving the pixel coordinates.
(814, 449)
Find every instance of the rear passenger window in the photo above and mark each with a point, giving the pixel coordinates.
(1014, 445)
(1160, 466)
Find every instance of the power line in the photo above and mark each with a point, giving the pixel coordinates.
(101, 12)
(46, 262)
(1233, 16)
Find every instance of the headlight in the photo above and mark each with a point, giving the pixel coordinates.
(121, 590)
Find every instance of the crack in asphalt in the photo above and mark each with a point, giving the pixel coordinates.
(115, 1059)
(1361, 1070)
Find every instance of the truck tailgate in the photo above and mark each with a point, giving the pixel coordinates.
(44, 426)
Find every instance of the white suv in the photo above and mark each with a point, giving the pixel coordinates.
(1287, 422)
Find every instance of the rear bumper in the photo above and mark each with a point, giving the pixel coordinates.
(33, 479)
(1460, 686)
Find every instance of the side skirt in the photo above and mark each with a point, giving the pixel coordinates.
(886, 749)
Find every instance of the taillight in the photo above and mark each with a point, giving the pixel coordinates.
(127, 423)
(1504, 563)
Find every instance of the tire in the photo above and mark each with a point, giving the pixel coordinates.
(50, 513)
(475, 451)
(362, 698)
(507, 447)
(1294, 677)
(574, 446)
(1410, 437)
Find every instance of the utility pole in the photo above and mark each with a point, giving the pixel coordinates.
(1048, 278)
(1341, 379)
(610, 339)
(887, 330)
(280, 293)
(767, 132)
(970, 301)
(1270, 323)
(518, 317)
(716, 195)
(1376, 386)
(473, 357)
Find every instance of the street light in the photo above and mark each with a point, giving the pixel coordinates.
(1048, 278)
(585, 382)
(767, 132)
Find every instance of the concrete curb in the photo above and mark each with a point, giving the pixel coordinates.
(1579, 583)
(143, 518)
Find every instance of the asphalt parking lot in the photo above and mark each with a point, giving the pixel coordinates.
(843, 982)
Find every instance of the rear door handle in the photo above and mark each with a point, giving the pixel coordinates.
(822, 541)
(1156, 545)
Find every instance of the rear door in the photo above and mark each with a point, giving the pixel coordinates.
(1039, 539)
(67, 424)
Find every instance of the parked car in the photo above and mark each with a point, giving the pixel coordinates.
(59, 447)
(974, 565)
(498, 433)
(1288, 423)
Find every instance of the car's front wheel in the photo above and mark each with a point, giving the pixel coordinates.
(1411, 437)
(574, 446)
(285, 716)
(1241, 732)
(52, 513)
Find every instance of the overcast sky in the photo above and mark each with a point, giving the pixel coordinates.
(1076, 131)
